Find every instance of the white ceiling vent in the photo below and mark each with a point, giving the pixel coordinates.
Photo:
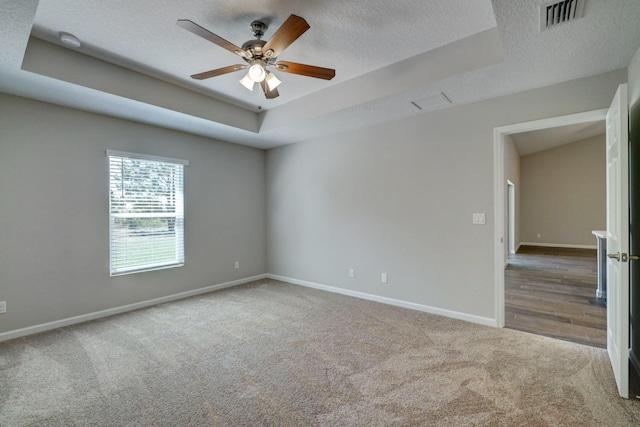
(558, 12)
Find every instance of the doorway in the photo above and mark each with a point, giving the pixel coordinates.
(551, 282)
(501, 194)
(618, 298)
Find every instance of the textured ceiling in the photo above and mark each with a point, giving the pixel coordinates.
(386, 54)
(539, 140)
(354, 37)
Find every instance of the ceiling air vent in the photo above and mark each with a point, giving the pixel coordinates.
(558, 12)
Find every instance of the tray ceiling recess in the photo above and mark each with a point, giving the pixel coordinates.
(133, 62)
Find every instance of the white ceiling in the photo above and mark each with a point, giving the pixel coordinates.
(386, 54)
(354, 37)
(545, 139)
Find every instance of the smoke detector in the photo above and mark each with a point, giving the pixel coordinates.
(69, 40)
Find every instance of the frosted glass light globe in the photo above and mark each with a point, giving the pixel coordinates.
(256, 72)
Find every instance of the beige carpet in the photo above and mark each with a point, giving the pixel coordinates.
(271, 353)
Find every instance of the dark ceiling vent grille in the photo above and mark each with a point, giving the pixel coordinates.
(559, 12)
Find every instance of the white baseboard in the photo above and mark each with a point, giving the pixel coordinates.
(413, 306)
(122, 309)
(130, 307)
(558, 245)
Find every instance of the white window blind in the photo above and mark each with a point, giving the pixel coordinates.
(146, 212)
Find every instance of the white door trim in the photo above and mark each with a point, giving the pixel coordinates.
(499, 189)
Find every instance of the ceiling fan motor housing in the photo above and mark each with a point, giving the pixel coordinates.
(254, 48)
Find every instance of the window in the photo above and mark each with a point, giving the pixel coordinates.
(146, 212)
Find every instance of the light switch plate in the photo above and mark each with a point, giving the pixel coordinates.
(479, 218)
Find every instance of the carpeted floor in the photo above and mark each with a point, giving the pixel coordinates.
(271, 353)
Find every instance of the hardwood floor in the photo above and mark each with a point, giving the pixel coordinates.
(552, 292)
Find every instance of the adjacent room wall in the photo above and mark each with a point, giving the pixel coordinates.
(564, 194)
(511, 173)
(398, 198)
(54, 248)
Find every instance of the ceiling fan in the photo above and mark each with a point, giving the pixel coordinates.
(259, 54)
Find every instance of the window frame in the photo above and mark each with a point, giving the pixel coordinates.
(179, 194)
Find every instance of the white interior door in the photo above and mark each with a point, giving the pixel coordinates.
(618, 239)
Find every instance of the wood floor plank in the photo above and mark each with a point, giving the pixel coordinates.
(564, 331)
(551, 292)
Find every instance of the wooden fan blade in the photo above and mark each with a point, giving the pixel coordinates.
(292, 28)
(213, 38)
(218, 72)
(306, 70)
(267, 93)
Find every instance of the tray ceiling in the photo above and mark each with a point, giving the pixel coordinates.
(135, 62)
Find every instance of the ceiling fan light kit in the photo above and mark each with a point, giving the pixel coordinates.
(260, 54)
(247, 82)
(272, 81)
(256, 71)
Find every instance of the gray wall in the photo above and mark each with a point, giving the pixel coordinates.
(398, 198)
(511, 173)
(564, 193)
(54, 259)
(395, 198)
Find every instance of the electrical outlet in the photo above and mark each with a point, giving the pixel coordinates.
(3, 306)
(237, 265)
(384, 277)
(352, 272)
